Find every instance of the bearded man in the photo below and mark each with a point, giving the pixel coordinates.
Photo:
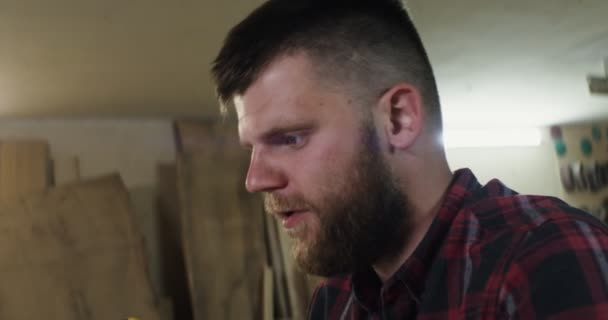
(337, 102)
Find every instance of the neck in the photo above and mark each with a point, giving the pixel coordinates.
(385, 268)
(425, 193)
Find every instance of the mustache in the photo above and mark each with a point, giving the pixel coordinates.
(274, 203)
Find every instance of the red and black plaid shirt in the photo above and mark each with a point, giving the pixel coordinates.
(489, 254)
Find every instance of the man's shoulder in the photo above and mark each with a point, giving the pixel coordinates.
(550, 257)
(532, 256)
(495, 209)
(505, 225)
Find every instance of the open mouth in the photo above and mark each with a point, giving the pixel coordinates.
(289, 213)
(292, 218)
(286, 214)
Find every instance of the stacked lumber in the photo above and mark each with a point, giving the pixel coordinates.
(73, 253)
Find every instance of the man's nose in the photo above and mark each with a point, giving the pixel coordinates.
(263, 177)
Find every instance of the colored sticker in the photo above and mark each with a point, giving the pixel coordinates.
(556, 132)
(596, 133)
(560, 148)
(586, 147)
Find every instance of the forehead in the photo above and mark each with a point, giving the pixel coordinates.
(287, 91)
(283, 81)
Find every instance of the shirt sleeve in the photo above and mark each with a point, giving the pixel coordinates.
(559, 272)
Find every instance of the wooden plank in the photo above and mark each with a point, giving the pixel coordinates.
(297, 287)
(276, 259)
(185, 134)
(173, 268)
(268, 311)
(166, 309)
(24, 168)
(66, 170)
(168, 198)
(222, 229)
(73, 253)
(196, 135)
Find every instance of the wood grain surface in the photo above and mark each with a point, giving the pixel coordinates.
(72, 253)
(222, 227)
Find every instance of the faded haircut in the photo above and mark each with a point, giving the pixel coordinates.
(362, 46)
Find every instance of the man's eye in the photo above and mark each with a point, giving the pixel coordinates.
(292, 140)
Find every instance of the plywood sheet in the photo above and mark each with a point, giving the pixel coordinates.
(72, 253)
(222, 229)
(297, 286)
(275, 253)
(24, 168)
(173, 268)
(66, 170)
(194, 135)
(268, 311)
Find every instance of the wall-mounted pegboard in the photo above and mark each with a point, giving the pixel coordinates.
(582, 155)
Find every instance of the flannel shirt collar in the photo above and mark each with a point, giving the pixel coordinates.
(411, 276)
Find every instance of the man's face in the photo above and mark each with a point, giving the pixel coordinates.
(320, 167)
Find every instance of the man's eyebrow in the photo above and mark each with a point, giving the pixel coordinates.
(273, 132)
(286, 128)
(277, 130)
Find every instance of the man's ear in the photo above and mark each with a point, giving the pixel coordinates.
(402, 115)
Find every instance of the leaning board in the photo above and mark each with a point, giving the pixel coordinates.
(24, 168)
(72, 253)
(222, 229)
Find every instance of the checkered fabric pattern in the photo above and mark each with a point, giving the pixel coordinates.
(490, 253)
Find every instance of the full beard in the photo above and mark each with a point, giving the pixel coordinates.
(363, 216)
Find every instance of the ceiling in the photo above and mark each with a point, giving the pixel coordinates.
(515, 63)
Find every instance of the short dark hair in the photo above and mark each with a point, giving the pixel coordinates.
(365, 45)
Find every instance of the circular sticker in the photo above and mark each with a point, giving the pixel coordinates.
(560, 148)
(586, 147)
